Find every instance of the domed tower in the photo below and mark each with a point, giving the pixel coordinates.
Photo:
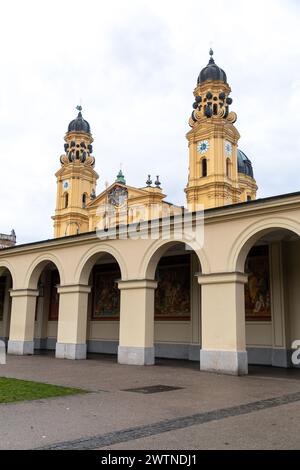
(214, 172)
(76, 180)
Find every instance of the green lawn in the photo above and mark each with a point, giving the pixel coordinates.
(19, 390)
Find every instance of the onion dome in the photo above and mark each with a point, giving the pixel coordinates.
(79, 124)
(244, 164)
(211, 71)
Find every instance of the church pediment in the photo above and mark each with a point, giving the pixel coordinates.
(116, 188)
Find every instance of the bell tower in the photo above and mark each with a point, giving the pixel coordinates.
(76, 180)
(213, 145)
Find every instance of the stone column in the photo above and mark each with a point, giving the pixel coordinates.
(223, 323)
(72, 321)
(22, 321)
(136, 345)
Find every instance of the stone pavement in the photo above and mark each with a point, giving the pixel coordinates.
(207, 411)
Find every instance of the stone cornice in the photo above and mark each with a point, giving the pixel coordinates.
(74, 289)
(137, 284)
(222, 278)
(24, 292)
(276, 204)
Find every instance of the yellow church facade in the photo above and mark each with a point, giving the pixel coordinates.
(78, 209)
(128, 273)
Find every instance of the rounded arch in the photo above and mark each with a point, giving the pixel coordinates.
(247, 238)
(88, 260)
(228, 167)
(35, 270)
(204, 167)
(5, 264)
(157, 249)
(84, 200)
(66, 200)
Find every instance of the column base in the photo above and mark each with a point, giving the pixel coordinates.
(70, 351)
(20, 348)
(136, 356)
(224, 362)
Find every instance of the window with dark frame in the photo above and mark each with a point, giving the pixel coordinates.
(204, 167)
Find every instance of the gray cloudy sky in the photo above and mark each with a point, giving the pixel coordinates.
(134, 66)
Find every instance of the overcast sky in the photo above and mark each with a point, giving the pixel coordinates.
(134, 65)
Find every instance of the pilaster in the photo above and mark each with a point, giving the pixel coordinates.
(223, 323)
(22, 321)
(72, 321)
(136, 346)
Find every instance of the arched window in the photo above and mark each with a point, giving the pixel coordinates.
(204, 167)
(249, 198)
(66, 200)
(84, 200)
(228, 168)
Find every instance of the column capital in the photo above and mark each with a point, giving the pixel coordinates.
(24, 292)
(74, 289)
(222, 278)
(137, 284)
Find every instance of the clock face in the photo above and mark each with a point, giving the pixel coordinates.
(203, 146)
(66, 184)
(228, 148)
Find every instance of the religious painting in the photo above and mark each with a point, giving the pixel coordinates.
(54, 297)
(2, 296)
(173, 293)
(106, 294)
(257, 290)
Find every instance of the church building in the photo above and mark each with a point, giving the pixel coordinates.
(130, 274)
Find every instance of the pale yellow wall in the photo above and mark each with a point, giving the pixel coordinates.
(228, 233)
(225, 233)
(52, 327)
(103, 330)
(164, 331)
(73, 304)
(259, 334)
(223, 311)
(137, 305)
(292, 270)
(22, 318)
(172, 332)
(5, 323)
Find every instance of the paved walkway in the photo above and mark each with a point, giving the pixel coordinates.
(205, 411)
